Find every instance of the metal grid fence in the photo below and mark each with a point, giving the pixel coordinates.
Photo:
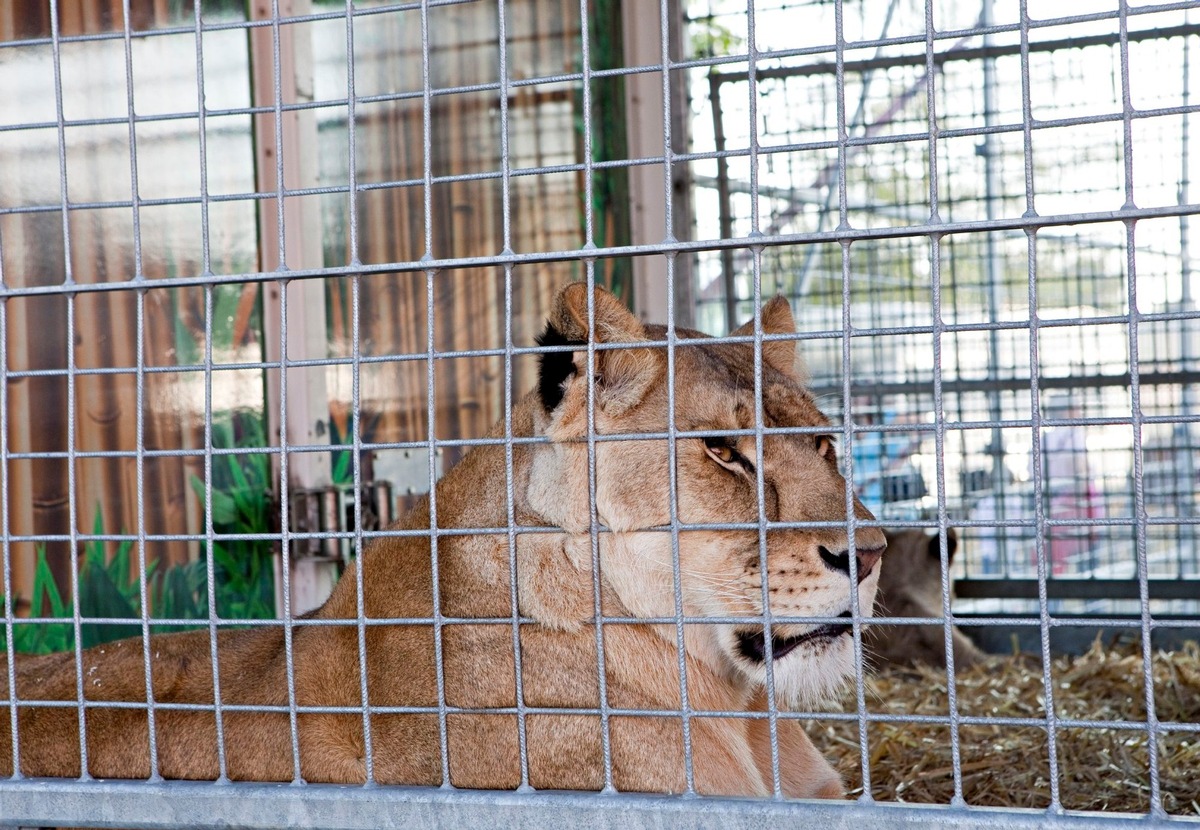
(925, 225)
(1080, 299)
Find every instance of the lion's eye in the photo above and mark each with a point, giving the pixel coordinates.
(723, 453)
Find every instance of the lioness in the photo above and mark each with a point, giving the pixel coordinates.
(911, 586)
(809, 575)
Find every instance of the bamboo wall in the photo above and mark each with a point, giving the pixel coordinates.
(466, 220)
(105, 323)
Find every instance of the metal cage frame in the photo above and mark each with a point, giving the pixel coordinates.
(156, 803)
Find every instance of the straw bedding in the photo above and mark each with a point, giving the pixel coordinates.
(1099, 768)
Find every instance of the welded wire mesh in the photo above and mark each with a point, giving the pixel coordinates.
(249, 253)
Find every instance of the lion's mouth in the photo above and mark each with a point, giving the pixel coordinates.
(752, 644)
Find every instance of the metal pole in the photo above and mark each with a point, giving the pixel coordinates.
(993, 267)
(1185, 489)
(726, 216)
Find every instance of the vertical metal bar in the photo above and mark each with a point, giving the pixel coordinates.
(360, 610)
(69, 280)
(222, 775)
(209, 543)
(993, 264)
(202, 126)
(277, 80)
(860, 693)
(589, 245)
(1190, 400)
(351, 138)
(284, 499)
(143, 588)
(1035, 418)
(206, 268)
(357, 415)
(509, 478)
(759, 437)
(9, 602)
(285, 546)
(939, 414)
(73, 511)
(685, 706)
(359, 544)
(723, 197)
(1135, 393)
(594, 523)
(143, 573)
(431, 409)
(56, 54)
(133, 157)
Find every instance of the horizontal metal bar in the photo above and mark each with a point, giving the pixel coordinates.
(425, 532)
(871, 140)
(974, 621)
(967, 53)
(698, 63)
(962, 386)
(173, 804)
(857, 332)
(736, 714)
(1029, 223)
(836, 427)
(245, 25)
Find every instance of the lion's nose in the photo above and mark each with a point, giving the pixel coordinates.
(867, 558)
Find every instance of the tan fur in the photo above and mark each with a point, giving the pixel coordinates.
(720, 576)
(910, 585)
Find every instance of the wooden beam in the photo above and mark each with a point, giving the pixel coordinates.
(1058, 588)
(307, 403)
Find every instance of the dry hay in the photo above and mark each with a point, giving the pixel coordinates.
(1099, 769)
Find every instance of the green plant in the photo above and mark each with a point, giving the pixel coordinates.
(242, 505)
(341, 468)
(108, 589)
(43, 638)
(181, 593)
(711, 38)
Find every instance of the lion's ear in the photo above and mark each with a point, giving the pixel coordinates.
(622, 375)
(780, 355)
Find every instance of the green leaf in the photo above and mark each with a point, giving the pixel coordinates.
(45, 589)
(99, 596)
(249, 499)
(182, 594)
(233, 577)
(222, 434)
(43, 638)
(341, 473)
(94, 550)
(224, 510)
(118, 566)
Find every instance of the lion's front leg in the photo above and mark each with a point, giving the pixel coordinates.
(803, 771)
(723, 763)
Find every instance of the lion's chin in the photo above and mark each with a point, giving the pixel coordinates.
(809, 670)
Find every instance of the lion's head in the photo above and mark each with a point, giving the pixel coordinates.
(717, 479)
